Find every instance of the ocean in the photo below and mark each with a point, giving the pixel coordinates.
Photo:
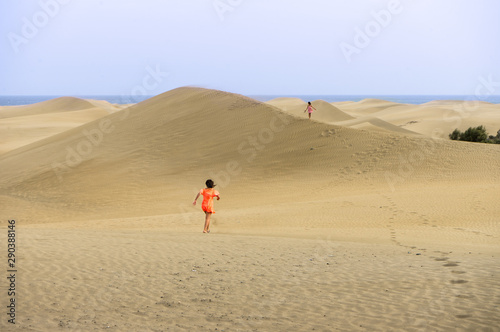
(403, 99)
(27, 100)
(120, 99)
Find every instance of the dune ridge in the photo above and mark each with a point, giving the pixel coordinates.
(433, 119)
(325, 112)
(329, 113)
(61, 104)
(45, 119)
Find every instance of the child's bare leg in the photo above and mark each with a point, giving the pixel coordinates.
(309, 115)
(207, 222)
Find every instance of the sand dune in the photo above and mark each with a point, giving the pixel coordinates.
(375, 124)
(22, 125)
(325, 112)
(329, 114)
(366, 106)
(146, 144)
(457, 103)
(434, 119)
(22, 130)
(321, 225)
(62, 104)
(429, 119)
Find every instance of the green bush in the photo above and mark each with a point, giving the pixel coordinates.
(455, 135)
(477, 134)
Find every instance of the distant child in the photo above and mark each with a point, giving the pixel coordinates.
(309, 109)
(208, 202)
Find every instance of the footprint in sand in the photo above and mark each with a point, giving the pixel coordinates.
(460, 281)
(441, 259)
(465, 296)
(462, 316)
(328, 133)
(450, 264)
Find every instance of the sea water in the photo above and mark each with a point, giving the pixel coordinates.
(28, 100)
(403, 99)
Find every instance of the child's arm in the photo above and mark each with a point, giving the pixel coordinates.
(194, 203)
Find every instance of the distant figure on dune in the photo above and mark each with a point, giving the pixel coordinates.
(309, 109)
(208, 202)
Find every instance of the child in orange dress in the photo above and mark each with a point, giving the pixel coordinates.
(208, 202)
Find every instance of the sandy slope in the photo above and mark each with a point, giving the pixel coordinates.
(319, 226)
(138, 155)
(363, 118)
(325, 112)
(435, 119)
(62, 104)
(22, 125)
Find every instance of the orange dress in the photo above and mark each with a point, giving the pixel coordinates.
(208, 199)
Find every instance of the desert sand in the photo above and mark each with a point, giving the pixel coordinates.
(365, 218)
(22, 125)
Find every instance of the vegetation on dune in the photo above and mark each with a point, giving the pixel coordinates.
(475, 134)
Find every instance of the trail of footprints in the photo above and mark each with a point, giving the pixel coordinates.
(456, 281)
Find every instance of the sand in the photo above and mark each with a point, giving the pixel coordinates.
(361, 219)
(22, 125)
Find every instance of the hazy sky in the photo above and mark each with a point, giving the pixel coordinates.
(81, 47)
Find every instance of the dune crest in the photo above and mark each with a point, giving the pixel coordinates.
(61, 104)
(23, 125)
(330, 114)
(325, 112)
(433, 119)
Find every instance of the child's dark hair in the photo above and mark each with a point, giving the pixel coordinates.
(210, 183)
(309, 102)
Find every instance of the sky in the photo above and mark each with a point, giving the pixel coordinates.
(252, 47)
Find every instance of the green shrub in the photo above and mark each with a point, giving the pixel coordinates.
(477, 134)
(455, 135)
